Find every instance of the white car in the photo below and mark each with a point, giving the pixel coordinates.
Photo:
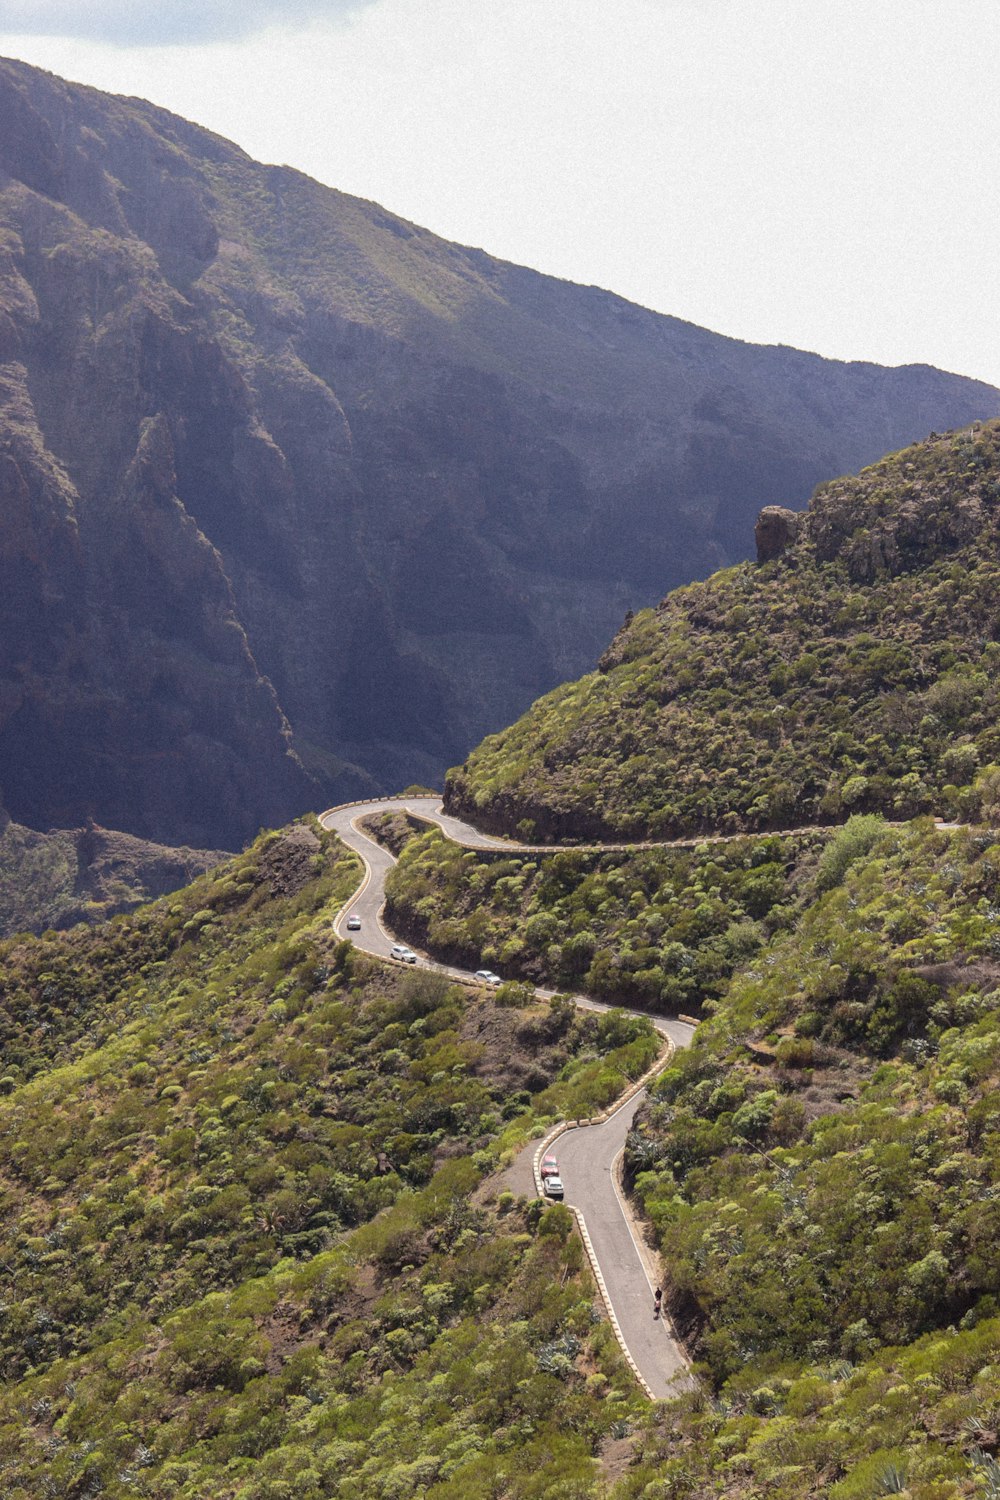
(487, 976)
(354, 923)
(404, 954)
(552, 1187)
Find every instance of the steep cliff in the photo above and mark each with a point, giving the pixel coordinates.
(53, 880)
(272, 457)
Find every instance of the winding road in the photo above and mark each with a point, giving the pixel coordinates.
(589, 1155)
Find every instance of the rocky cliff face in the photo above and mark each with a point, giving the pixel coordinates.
(775, 530)
(56, 879)
(271, 457)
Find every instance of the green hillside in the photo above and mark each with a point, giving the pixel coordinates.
(851, 1071)
(245, 1251)
(823, 1173)
(856, 671)
(658, 928)
(821, 1170)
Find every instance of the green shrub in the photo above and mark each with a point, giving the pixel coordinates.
(857, 838)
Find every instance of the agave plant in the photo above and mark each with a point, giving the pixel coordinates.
(891, 1481)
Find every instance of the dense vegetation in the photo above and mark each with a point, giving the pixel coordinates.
(856, 672)
(920, 1422)
(445, 1352)
(822, 1168)
(857, 1057)
(244, 1252)
(823, 1173)
(661, 928)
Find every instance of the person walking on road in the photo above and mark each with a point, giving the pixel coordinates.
(657, 1300)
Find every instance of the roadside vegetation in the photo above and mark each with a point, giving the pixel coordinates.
(660, 928)
(444, 1349)
(822, 1170)
(842, 1098)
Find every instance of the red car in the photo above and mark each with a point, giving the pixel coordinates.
(549, 1167)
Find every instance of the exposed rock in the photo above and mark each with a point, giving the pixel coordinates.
(960, 974)
(297, 500)
(59, 878)
(289, 863)
(776, 529)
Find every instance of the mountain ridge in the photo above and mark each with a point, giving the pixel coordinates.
(53, 880)
(392, 489)
(852, 669)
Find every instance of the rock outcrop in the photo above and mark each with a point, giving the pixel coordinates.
(776, 528)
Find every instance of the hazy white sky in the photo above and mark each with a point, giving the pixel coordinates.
(822, 173)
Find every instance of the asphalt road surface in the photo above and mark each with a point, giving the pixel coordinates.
(588, 1159)
(588, 1156)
